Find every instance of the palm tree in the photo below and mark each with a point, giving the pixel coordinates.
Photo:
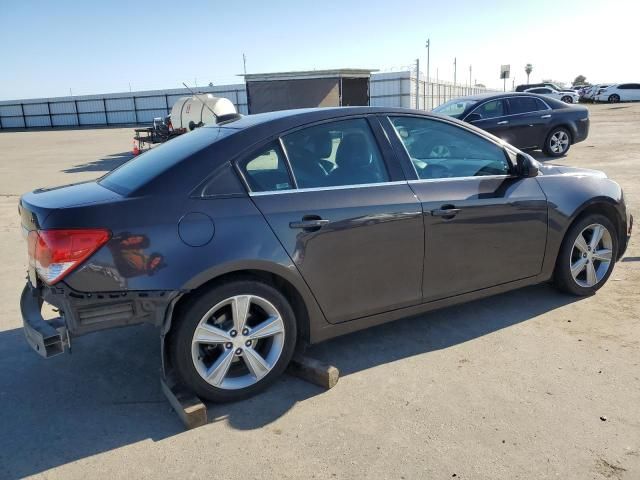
(528, 68)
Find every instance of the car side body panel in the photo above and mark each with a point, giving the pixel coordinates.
(570, 191)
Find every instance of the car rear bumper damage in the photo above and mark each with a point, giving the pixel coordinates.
(82, 313)
(46, 337)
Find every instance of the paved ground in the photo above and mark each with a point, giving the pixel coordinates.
(508, 387)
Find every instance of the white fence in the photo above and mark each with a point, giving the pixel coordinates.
(398, 89)
(128, 108)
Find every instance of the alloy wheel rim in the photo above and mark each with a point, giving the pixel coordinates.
(591, 255)
(238, 342)
(559, 141)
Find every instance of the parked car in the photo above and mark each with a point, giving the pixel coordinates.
(525, 87)
(527, 121)
(590, 93)
(621, 92)
(243, 241)
(564, 96)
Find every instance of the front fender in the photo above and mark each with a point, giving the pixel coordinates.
(570, 195)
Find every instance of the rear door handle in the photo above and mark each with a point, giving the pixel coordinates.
(445, 212)
(545, 116)
(503, 122)
(311, 224)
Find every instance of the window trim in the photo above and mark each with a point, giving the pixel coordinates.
(334, 187)
(407, 157)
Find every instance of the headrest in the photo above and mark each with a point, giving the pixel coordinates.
(354, 151)
(322, 144)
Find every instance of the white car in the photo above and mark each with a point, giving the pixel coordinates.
(621, 92)
(566, 97)
(592, 91)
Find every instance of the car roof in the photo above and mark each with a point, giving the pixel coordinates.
(490, 96)
(305, 115)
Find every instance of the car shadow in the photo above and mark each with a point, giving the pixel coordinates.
(106, 394)
(105, 164)
(542, 157)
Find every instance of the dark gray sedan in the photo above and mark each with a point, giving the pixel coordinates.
(245, 240)
(524, 120)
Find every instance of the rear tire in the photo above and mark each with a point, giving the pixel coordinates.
(582, 266)
(557, 142)
(223, 358)
(614, 98)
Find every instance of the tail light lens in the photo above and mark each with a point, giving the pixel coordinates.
(55, 253)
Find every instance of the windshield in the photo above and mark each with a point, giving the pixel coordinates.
(454, 108)
(138, 171)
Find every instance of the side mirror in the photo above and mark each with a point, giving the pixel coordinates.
(473, 117)
(527, 166)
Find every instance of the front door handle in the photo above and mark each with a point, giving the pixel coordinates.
(503, 122)
(445, 212)
(310, 223)
(545, 116)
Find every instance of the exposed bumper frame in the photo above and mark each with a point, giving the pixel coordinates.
(46, 337)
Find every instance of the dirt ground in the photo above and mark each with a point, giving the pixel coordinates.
(530, 384)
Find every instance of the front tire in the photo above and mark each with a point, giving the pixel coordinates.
(614, 98)
(234, 340)
(567, 99)
(558, 142)
(587, 255)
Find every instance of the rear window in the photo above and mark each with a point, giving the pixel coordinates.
(140, 170)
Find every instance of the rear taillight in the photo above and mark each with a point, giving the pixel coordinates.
(55, 253)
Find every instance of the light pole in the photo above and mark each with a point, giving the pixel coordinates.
(528, 68)
(470, 84)
(417, 84)
(427, 84)
(455, 70)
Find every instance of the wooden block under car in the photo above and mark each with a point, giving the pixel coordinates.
(314, 371)
(189, 408)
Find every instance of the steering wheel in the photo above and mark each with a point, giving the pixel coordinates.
(440, 151)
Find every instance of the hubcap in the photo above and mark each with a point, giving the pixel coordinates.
(238, 342)
(591, 255)
(559, 141)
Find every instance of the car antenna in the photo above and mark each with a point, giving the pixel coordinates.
(202, 101)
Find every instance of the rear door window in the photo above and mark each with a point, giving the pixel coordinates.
(523, 105)
(336, 153)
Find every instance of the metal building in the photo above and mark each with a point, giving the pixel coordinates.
(268, 92)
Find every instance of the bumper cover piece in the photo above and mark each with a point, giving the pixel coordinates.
(46, 337)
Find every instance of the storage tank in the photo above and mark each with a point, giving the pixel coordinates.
(192, 112)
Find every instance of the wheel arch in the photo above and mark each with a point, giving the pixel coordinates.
(568, 126)
(291, 286)
(600, 205)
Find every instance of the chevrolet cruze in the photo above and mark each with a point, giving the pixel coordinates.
(248, 239)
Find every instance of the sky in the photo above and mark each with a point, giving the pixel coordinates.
(49, 48)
